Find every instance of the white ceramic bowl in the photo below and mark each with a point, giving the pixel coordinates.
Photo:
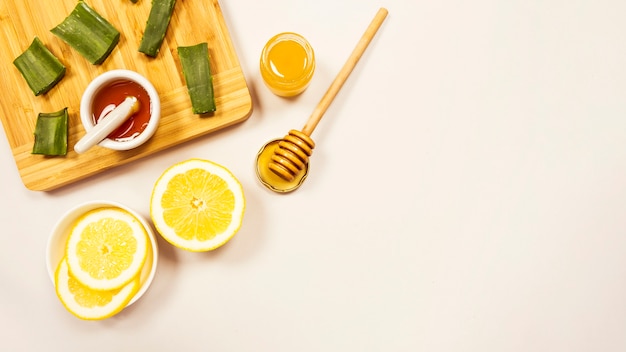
(105, 79)
(55, 249)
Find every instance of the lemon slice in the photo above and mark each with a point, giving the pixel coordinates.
(197, 205)
(89, 304)
(106, 248)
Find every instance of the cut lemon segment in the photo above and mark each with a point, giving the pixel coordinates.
(106, 248)
(197, 205)
(89, 304)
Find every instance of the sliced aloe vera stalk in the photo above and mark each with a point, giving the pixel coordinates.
(88, 32)
(39, 67)
(156, 26)
(51, 132)
(195, 63)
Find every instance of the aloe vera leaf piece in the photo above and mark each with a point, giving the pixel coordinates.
(39, 67)
(88, 32)
(51, 133)
(156, 26)
(195, 64)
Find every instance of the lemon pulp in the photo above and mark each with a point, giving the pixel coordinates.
(197, 205)
(107, 247)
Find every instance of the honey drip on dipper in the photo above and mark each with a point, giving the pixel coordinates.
(282, 165)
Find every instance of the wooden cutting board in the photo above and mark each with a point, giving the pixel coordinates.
(194, 21)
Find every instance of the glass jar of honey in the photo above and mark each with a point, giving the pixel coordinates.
(287, 64)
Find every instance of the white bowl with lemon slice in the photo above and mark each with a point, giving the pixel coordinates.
(81, 249)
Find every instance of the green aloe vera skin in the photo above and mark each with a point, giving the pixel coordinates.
(39, 67)
(195, 64)
(51, 133)
(88, 33)
(156, 26)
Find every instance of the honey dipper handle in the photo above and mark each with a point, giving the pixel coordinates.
(345, 71)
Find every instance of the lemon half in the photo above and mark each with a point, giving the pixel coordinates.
(197, 205)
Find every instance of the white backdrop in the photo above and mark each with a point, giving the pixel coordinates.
(467, 193)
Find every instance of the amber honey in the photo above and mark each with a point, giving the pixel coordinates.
(269, 178)
(287, 64)
(114, 94)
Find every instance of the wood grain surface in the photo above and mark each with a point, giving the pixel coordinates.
(193, 21)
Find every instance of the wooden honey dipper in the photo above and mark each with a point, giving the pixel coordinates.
(294, 150)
